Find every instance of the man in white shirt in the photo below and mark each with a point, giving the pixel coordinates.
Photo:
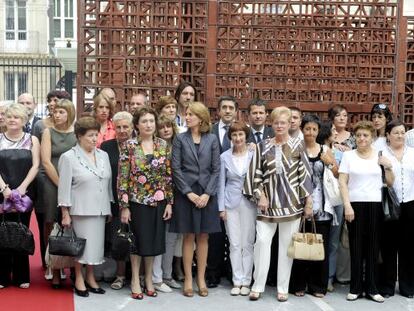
(28, 101)
(227, 110)
(296, 120)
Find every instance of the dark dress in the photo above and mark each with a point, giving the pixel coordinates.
(60, 143)
(15, 163)
(190, 219)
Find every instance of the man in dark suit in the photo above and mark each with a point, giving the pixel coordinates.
(218, 264)
(28, 101)
(257, 119)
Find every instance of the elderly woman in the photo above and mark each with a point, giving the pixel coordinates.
(313, 275)
(396, 251)
(145, 195)
(239, 212)
(84, 195)
(360, 185)
(56, 140)
(162, 272)
(19, 163)
(196, 168)
(123, 129)
(103, 109)
(380, 116)
(279, 182)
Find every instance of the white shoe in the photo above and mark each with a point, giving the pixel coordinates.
(48, 274)
(235, 291)
(352, 297)
(162, 287)
(172, 283)
(62, 274)
(244, 291)
(377, 298)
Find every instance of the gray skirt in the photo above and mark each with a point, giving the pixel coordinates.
(91, 228)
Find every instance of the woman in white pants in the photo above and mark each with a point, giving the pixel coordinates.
(239, 212)
(279, 181)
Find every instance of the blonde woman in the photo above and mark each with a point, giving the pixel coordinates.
(103, 109)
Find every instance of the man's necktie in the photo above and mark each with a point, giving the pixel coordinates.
(226, 144)
(258, 137)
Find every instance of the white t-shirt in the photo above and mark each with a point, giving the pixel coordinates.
(364, 177)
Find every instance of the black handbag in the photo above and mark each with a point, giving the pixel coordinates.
(66, 245)
(390, 203)
(123, 243)
(15, 236)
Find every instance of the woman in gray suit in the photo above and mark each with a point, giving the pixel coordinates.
(84, 195)
(196, 168)
(240, 213)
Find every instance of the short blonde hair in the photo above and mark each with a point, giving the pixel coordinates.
(67, 105)
(17, 110)
(277, 112)
(201, 111)
(365, 125)
(102, 97)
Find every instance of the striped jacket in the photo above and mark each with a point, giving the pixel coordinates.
(283, 174)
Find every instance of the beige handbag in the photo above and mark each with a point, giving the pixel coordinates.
(306, 245)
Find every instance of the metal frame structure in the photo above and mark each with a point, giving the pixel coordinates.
(305, 53)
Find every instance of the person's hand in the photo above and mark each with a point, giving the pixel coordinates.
(203, 200)
(168, 212)
(223, 215)
(327, 158)
(349, 213)
(307, 211)
(385, 162)
(66, 220)
(263, 203)
(6, 193)
(193, 197)
(125, 215)
(22, 190)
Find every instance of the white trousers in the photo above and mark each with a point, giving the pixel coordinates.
(264, 234)
(162, 268)
(240, 227)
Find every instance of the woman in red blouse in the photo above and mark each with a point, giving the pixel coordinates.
(103, 109)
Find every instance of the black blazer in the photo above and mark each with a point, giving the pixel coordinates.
(215, 131)
(111, 148)
(267, 133)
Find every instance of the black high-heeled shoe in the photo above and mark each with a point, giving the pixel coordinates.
(81, 293)
(93, 290)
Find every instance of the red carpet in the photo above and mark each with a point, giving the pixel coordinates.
(40, 296)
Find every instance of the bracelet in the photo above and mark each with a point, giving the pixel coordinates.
(4, 188)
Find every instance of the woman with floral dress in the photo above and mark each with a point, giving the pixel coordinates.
(145, 195)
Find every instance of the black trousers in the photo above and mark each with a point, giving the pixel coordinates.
(397, 252)
(312, 275)
(364, 237)
(14, 267)
(218, 263)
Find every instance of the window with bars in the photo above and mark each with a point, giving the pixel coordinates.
(63, 20)
(16, 27)
(15, 83)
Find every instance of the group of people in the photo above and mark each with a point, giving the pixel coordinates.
(188, 190)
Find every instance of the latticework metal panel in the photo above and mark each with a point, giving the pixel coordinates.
(306, 53)
(406, 97)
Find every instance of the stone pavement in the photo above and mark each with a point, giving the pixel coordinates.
(219, 299)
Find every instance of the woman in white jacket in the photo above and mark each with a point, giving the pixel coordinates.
(239, 212)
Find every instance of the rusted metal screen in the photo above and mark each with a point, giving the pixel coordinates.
(306, 53)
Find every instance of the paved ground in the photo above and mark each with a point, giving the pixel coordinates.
(219, 299)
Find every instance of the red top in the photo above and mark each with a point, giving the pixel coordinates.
(109, 134)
